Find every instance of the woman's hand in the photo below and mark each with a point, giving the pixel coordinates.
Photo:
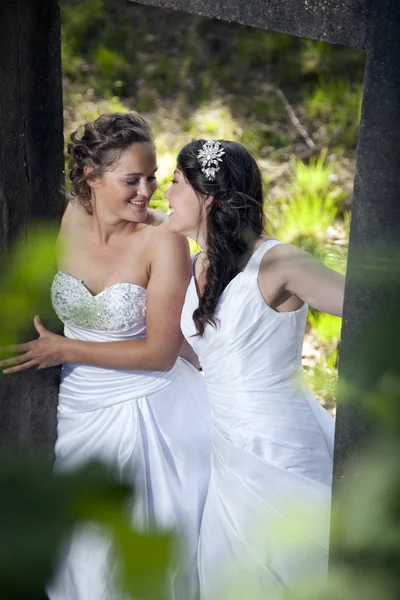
(47, 351)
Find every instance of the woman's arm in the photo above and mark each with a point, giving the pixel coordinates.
(295, 271)
(170, 271)
(189, 354)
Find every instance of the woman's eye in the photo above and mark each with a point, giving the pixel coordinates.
(152, 179)
(173, 181)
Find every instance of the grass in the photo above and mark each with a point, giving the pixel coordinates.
(336, 104)
(310, 205)
(322, 376)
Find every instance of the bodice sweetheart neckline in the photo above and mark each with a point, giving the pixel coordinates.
(108, 287)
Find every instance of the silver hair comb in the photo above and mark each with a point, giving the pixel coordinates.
(210, 158)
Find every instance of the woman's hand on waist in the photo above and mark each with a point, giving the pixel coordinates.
(48, 350)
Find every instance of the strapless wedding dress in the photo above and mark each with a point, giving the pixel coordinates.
(266, 521)
(152, 427)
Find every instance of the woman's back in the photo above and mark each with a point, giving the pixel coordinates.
(251, 341)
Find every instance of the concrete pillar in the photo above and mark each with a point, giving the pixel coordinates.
(31, 178)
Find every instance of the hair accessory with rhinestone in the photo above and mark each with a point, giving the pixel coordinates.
(210, 157)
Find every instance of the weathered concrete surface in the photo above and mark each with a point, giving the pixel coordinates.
(335, 21)
(31, 167)
(372, 299)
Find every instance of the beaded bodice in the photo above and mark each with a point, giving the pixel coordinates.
(116, 308)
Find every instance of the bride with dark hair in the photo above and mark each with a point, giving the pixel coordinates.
(126, 397)
(266, 521)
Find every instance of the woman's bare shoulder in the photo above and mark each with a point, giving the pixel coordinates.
(285, 251)
(162, 240)
(163, 233)
(74, 214)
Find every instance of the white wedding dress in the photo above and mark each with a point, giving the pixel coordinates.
(153, 428)
(266, 520)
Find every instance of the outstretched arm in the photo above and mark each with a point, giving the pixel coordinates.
(170, 270)
(299, 273)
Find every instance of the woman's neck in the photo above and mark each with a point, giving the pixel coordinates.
(107, 226)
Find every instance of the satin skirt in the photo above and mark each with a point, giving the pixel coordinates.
(266, 522)
(158, 442)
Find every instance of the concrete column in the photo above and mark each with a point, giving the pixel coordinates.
(31, 178)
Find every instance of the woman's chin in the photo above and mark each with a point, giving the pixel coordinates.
(142, 217)
(174, 226)
(177, 227)
(139, 215)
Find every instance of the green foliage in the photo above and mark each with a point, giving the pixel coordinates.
(326, 327)
(314, 177)
(306, 217)
(334, 256)
(107, 43)
(262, 139)
(323, 380)
(38, 510)
(337, 103)
(310, 206)
(90, 47)
(24, 286)
(254, 45)
(319, 58)
(322, 377)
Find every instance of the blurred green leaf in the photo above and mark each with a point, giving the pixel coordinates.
(38, 509)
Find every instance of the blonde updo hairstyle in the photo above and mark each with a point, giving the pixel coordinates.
(98, 145)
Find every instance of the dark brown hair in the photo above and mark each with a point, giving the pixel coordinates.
(234, 221)
(99, 145)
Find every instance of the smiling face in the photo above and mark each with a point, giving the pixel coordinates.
(187, 208)
(125, 189)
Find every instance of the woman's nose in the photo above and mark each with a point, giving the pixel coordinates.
(144, 188)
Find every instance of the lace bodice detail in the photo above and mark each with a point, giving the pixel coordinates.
(116, 308)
